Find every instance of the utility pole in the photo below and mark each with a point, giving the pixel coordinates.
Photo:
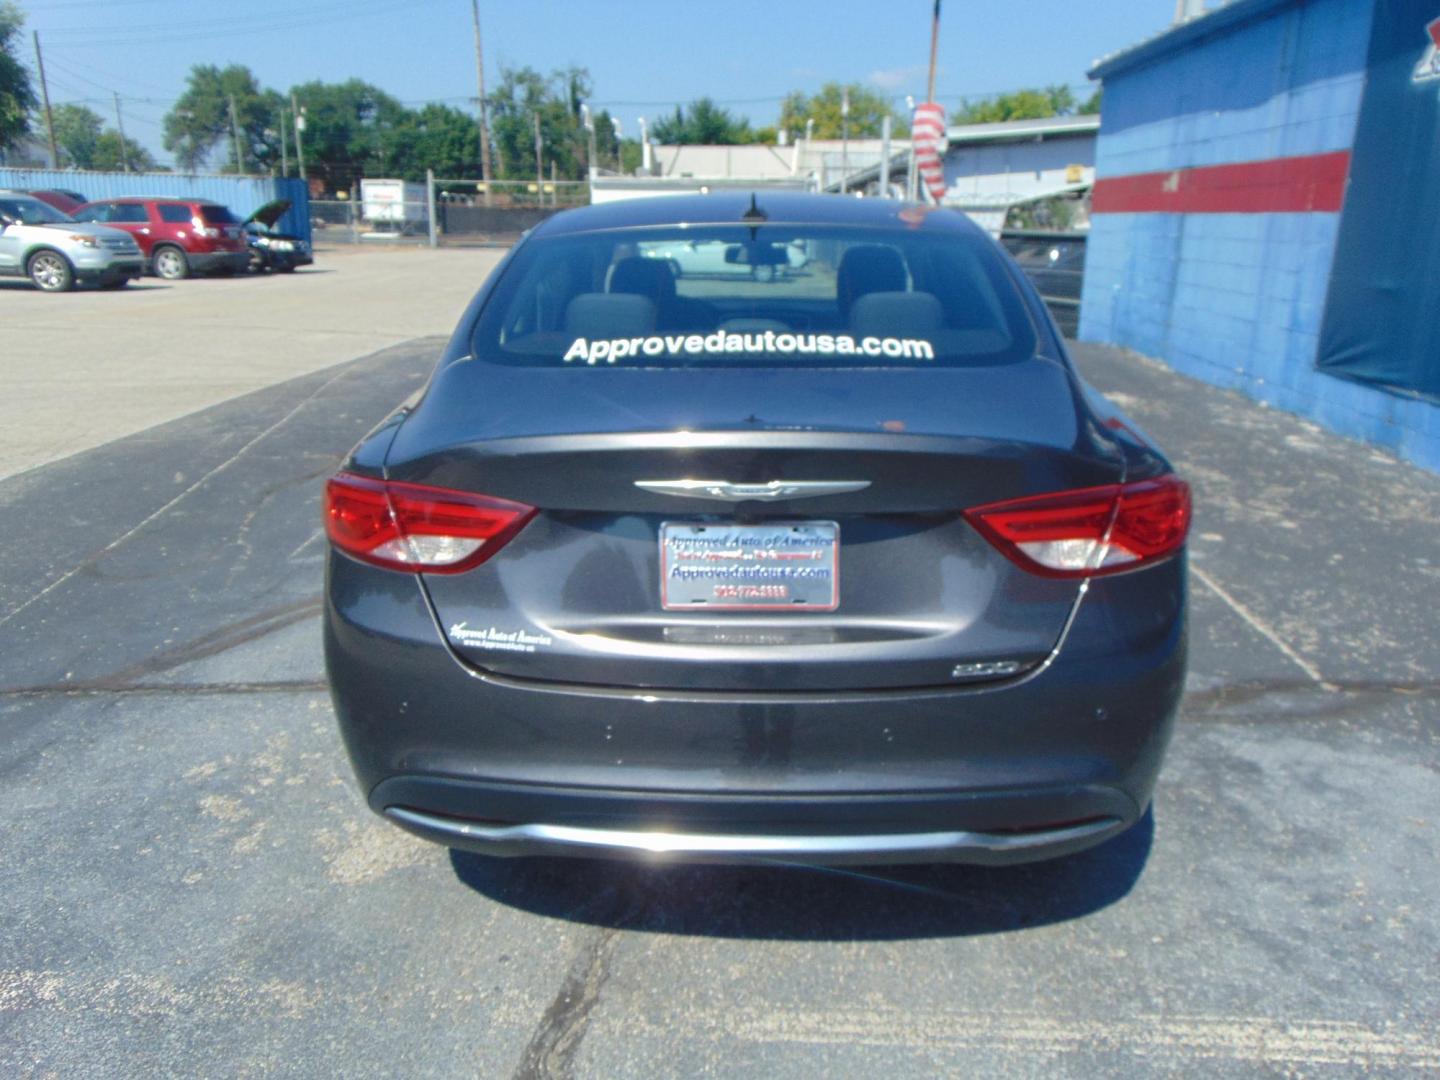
(912, 189)
(884, 178)
(484, 106)
(645, 166)
(45, 97)
(587, 121)
(120, 126)
(539, 165)
(934, 44)
(235, 134)
(284, 146)
(845, 137)
(299, 117)
(809, 141)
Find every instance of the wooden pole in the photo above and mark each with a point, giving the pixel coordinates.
(484, 105)
(298, 119)
(235, 134)
(45, 97)
(284, 146)
(934, 45)
(120, 127)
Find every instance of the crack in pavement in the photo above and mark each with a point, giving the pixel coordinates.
(550, 1054)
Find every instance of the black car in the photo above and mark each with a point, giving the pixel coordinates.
(1055, 262)
(271, 250)
(844, 565)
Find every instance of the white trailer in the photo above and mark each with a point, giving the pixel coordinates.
(392, 203)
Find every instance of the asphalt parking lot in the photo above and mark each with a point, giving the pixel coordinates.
(191, 885)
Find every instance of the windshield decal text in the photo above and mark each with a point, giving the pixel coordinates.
(612, 350)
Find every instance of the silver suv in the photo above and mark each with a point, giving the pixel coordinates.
(55, 252)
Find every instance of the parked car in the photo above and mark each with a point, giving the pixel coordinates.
(1055, 262)
(271, 250)
(62, 199)
(179, 237)
(846, 567)
(56, 252)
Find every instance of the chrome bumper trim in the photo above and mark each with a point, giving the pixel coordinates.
(884, 846)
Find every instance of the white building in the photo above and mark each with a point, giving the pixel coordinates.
(992, 167)
(806, 165)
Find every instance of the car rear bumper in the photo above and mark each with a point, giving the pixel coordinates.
(856, 848)
(1036, 766)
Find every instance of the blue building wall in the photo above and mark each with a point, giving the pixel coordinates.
(1237, 299)
(242, 194)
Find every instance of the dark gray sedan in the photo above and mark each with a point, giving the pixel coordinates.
(844, 564)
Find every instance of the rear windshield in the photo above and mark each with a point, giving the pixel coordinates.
(774, 296)
(218, 215)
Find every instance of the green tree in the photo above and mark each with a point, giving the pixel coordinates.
(17, 96)
(704, 123)
(110, 156)
(1020, 105)
(524, 94)
(632, 156)
(77, 130)
(200, 122)
(868, 110)
(351, 130)
(1091, 105)
(437, 137)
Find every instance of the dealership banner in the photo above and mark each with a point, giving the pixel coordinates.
(1384, 298)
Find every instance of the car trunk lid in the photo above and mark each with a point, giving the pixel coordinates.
(920, 598)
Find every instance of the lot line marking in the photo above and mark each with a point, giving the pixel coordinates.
(89, 559)
(1184, 1044)
(1257, 624)
(316, 535)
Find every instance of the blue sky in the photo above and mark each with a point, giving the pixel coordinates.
(644, 55)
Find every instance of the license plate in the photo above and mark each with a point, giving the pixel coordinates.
(789, 566)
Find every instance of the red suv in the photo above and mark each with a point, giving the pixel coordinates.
(179, 237)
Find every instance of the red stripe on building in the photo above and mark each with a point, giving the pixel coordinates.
(1280, 185)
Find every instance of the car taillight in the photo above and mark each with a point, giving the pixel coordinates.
(416, 527)
(201, 229)
(1100, 530)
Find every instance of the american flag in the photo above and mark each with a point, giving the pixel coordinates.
(928, 132)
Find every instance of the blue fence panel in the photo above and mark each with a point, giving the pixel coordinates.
(242, 194)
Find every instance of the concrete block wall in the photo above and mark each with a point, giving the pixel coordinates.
(1237, 298)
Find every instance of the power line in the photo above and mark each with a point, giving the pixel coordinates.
(137, 35)
(116, 78)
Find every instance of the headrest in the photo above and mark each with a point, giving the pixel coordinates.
(643, 277)
(896, 314)
(609, 315)
(866, 269)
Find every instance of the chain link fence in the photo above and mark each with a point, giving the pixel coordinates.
(466, 212)
(346, 221)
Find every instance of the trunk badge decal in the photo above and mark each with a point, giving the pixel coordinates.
(772, 491)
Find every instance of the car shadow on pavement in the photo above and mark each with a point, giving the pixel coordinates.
(797, 903)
